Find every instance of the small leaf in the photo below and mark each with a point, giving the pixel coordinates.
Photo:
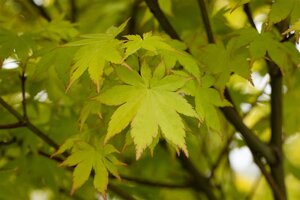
(81, 174)
(116, 95)
(170, 83)
(280, 10)
(129, 77)
(101, 176)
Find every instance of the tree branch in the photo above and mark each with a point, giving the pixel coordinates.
(12, 126)
(276, 141)
(257, 147)
(40, 10)
(23, 80)
(162, 19)
(29, 125)
(277, 171)
(205, 18)
(73, 11)
(247, 10)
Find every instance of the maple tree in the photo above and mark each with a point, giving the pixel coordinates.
(133, 99)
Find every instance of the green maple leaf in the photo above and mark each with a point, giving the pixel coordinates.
(169, 52)
(85, 158)
(96, 50)
(261, 45)
(280, 10)
(221, 62)
(147, 106)
(207, 101)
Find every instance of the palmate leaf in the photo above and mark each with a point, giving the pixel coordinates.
(96, 50)
(85, 158)
(166, 49)
(223, 61)
(147, 108)
(207, 101)
(280, 10)
(265, 44)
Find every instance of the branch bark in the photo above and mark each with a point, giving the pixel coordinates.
(29, 125)
(276, 141)
(277, 170)
(12, 126)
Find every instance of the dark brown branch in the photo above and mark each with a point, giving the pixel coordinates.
(23, 81)
(40, 10)
(277, 172)
(247, 10)
(276, 141)
(229, 112)
(73, 10)
(162, 19)
(275, 189)
(133, 14)
(253, 189)
(13, 125)
(29, 125)
(257, 147)
(206, 22)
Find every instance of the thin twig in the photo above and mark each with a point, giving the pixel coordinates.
(40, 10)
(269, 179)
(206, 22)
(73, 10)
(29, 125)
(276, 181)
(13, 125)
(247, 10)
(24, 106)
(162, 19)
(253, 189)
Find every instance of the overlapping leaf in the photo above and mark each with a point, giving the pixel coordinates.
(95, 51)
(85, 158)
(261, 45)
(169, 53)
(207, 101)
(222, 61)
(148, 107)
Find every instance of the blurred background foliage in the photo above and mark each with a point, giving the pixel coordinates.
(36, 27)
